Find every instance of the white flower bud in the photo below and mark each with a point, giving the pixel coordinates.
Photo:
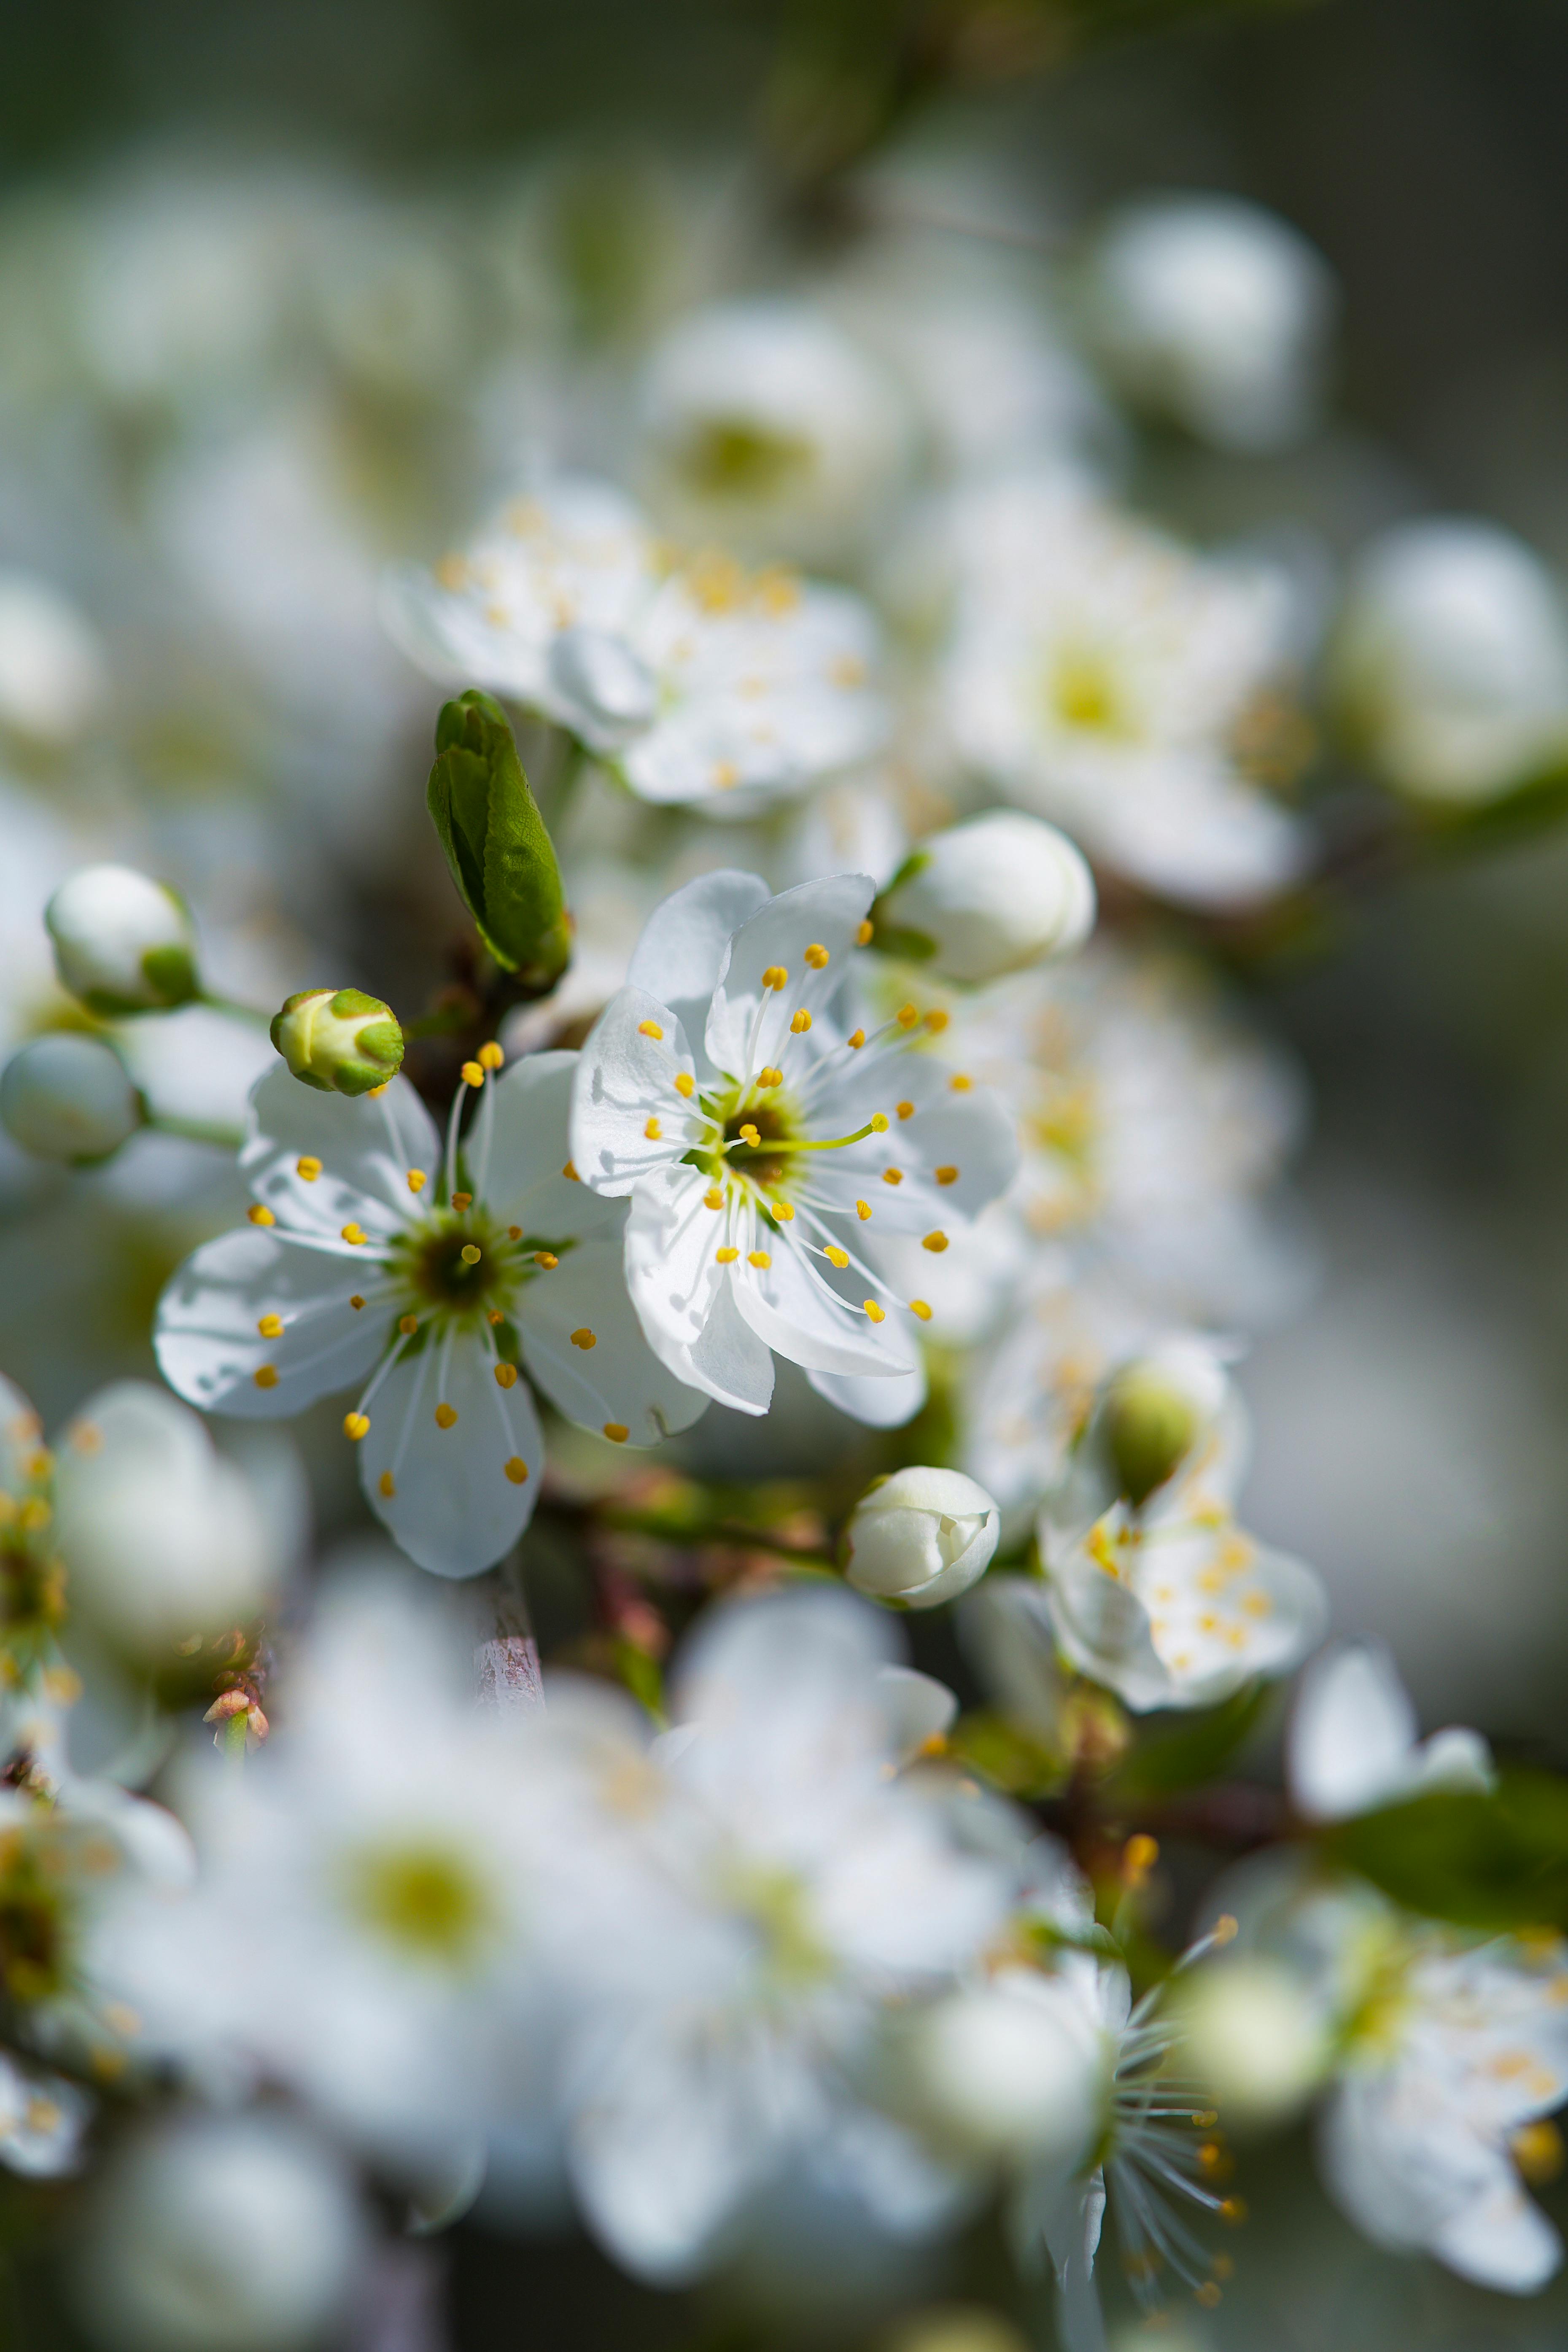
(220, 2233)
(66, 1096)
(339, 1040)
(1253, 2038)
(123, 943)
(990, 896)
(921, 1537)
(1216, 312)
(51, 666)
(1007, 2071)
(1450, 661)
(1155, 1410)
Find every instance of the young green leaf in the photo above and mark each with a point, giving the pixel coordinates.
(496, 844)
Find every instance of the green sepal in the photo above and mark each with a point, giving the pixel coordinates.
(900, 940)
(1195, 1748)
(498, 846)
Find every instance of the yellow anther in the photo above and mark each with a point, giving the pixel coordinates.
(416, 1179)
(907, 1015)
(547, 1259)
(272, 1327)
(490, 1056)
(617, 1432)
(446, 1416)
(768, 1076)
(947, 1175)
(469, 1253)
(356, 1235)
(936, 1242)
(260, 1216)
(461, 1200)
(584, 1338)
(873, 1310)
(514, 1232)
(685, 1085)
(1205, 2118)
(1224, 1930)
(375, 1091)
(800, 1022)
(1537, 2149)
(856, 1040)
(918, 1306)
(649, 1029)
(878, 1122)
(817, 955)
(495, 1316)
(937, 1021)
(88, 1438)
(1139, 1857)
(713, 1198)
(356, 1425)
(864, 935)
(1207, 2295)
(862, 1210)
(569, 1171)
(776, 976)
(758, 1258)
(959, 1083)
(750, 1135)
(408, 1325)
(387, 1483)
(783, 1213)
(835, 1256)
(893, 1175)
(517, 1470)
(725, 1257)
(265, 1376)
(905, 1110)
(506, 1376)
(726, 775)
(1233, 2210)
(472, 1075)
(356, 1302)
(308, 1166)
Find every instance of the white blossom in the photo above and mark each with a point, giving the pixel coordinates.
(123, 943)
(758, 1142)
(69, 1097)
(438, 1281)
(991, 897)
(1353, 1741)
(921, 1538)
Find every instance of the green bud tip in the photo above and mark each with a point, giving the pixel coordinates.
(1149, 1426)
(339, 1041)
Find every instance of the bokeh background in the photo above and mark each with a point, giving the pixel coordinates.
(214, 473)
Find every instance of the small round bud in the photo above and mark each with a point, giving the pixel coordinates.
(1007, 2072)
(239, 2231)
(66, 1096)
(1252, 2037)
(339, 1040)
(52, 678)
(1154, 1410)
(921, 1538)
(123, 943)
(988, 897)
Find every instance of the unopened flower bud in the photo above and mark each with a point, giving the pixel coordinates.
(66, 1096)
(123, 943)
(339, 1040)
(921, 1537)
(988, 897)
(235, 2231)
(1154, 1410)
(1007, 2071)
(1252, 2037)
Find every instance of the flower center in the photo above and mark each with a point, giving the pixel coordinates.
(458, 1267)
(753, 1158)
(1083, 692)
(423, 1899)
(732, 456)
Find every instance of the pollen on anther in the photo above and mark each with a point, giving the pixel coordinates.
(356, 1302)
(472, 1075)
(770, 1076)
(461, 1200)
(776, 976)
(416, 1179)
(817, 955)
(919, 1306)
(308, 1167)
(649, 1029)
(893, 1175)
(800, 1022)
(408, 1325)
(260, 1216)
(584, 1338)
(936, 1021)
(490, 1056)
(272, 1327)
(907, 1015)
(835, 1256)
(469, 1253)
(617, 1432)
(569, 1172)
(355, 1235)
(947, 1175)
(874, 1312)
(758, 1258)
(856, 1040)
(387, 1483)
(864, 935)
(446, 1416)
(506, 1376)
(517, 1470)
(546, 1259)
(935, 1243)
(685, 1085)
(356, 1425)
(862, 1210)
(783, 1213)
(878, 1122)
(749, 1134)
(495, 1316)
(265, 1376)
(725, 1257)
(713, 1198)
(959, 1083)
(652, 1131)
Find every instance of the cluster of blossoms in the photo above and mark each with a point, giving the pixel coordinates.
(829, 1181)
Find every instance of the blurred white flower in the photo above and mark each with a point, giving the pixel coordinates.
(123, 943)
(1449, 662)
(1353, 1743)
(42, 2121)
(209, 2232)
(1007, 2071)
(375, 1257)
(990, 897)
(721, 1091)
(1256, 2038)
(69, 1097)
(698, 683)
(766, 424)
(921, 1538)
(1215, 313)
(1109, 679)
(53, 678)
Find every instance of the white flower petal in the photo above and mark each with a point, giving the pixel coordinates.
(452, 1507)
(625, 1080)
(524, 1181)
(684, 942)
(799, 1313)
(617, 1382)
(207, 1339)
(1502, 2239)
(365, 1146)
(683, 1299)
(880, 1404)
(1353, 1732)
(824, 916)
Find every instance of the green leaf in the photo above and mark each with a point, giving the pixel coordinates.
(496, 844)
(1494, 1860)
(1201, 1744)
(1005, 1756)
